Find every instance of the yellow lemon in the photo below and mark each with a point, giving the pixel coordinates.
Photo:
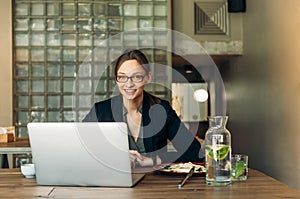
(218, 153)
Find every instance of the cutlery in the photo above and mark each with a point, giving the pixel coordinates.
(190, 173)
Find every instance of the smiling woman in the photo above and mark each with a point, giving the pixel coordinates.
(151, 121)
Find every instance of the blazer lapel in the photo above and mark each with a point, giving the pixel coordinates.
(116, 108)
(147, 126)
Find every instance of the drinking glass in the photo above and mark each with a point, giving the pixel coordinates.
(239, 167)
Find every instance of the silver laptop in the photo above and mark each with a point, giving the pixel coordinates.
(82, 154)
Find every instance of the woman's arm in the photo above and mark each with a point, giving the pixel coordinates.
(184, 141)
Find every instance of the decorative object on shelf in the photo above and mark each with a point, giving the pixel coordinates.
(7, 134)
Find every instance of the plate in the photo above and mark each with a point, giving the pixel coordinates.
(180, 168)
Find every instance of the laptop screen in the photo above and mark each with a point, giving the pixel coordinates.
(83, 154)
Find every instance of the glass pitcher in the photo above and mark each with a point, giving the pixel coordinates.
(218, 152)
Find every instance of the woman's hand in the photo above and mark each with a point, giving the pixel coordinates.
(137, 159)
(135, 156)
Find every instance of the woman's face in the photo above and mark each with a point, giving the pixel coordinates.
(133, 88)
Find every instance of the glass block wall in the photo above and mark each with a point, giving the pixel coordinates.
(61, 47)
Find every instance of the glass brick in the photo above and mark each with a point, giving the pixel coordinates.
(69, 39)
(53, 86)
(114, 53)
(22, 101)
(160, 10)
(53, 24)
(116, 40)
(69, 70)
(114, 25)
(21, 70)
(21, 9)
(130, 40)
(37, 116)
(53, 70)
(37, 70)
(146, 40)
(99, 9)
(85, 70)
(82, 113)
(69, 25)
(21, 24)
(100, 25)
(54, 116)
(68, 86)
(145, 10)
(85, 86)
(114, 10)
(53, 102)
(22, 117)
(53, 9)
(85, 25)
(161, 57)
(161, 40)
(101, 86)
(160, 23)
(85, 40)
(68, 101)
(144, 23)
(37, 54)
(100, 54)
(84, 9)
(37, 39)
(53, 54)
(37, 24)
(99, 42)
(84, 54)
(69, 55)
(53, 39)
(21, 131)
(130, 10)
(21, 54)
(68, 9)
(69, 116)
(21, 39)
(37, 86)
(37, 9)
(22, 86)
(37, 102)
(85, 101)
(130, 24)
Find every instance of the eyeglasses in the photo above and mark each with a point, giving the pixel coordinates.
(135, 78)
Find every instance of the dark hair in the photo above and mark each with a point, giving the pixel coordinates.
(131, 54)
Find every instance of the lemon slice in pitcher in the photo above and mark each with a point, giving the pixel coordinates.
(218, 153)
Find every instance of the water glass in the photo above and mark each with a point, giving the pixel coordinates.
(239, 167)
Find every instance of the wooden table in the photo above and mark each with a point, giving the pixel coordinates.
(20, 146)
(154, 185)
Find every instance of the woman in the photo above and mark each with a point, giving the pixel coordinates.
(151, 121)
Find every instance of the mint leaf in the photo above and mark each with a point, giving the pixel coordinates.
(238, 169)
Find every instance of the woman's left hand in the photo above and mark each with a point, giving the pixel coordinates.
(137, 159)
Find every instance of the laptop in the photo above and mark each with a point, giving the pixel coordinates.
(82, 154)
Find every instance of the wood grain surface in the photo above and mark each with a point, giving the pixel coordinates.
(155, 185)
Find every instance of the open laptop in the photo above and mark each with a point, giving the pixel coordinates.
(82, 154)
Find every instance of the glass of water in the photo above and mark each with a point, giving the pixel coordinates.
(239, 167)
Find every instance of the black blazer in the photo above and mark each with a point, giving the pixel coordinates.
(160, 124)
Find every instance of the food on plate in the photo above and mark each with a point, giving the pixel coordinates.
(184, 167)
